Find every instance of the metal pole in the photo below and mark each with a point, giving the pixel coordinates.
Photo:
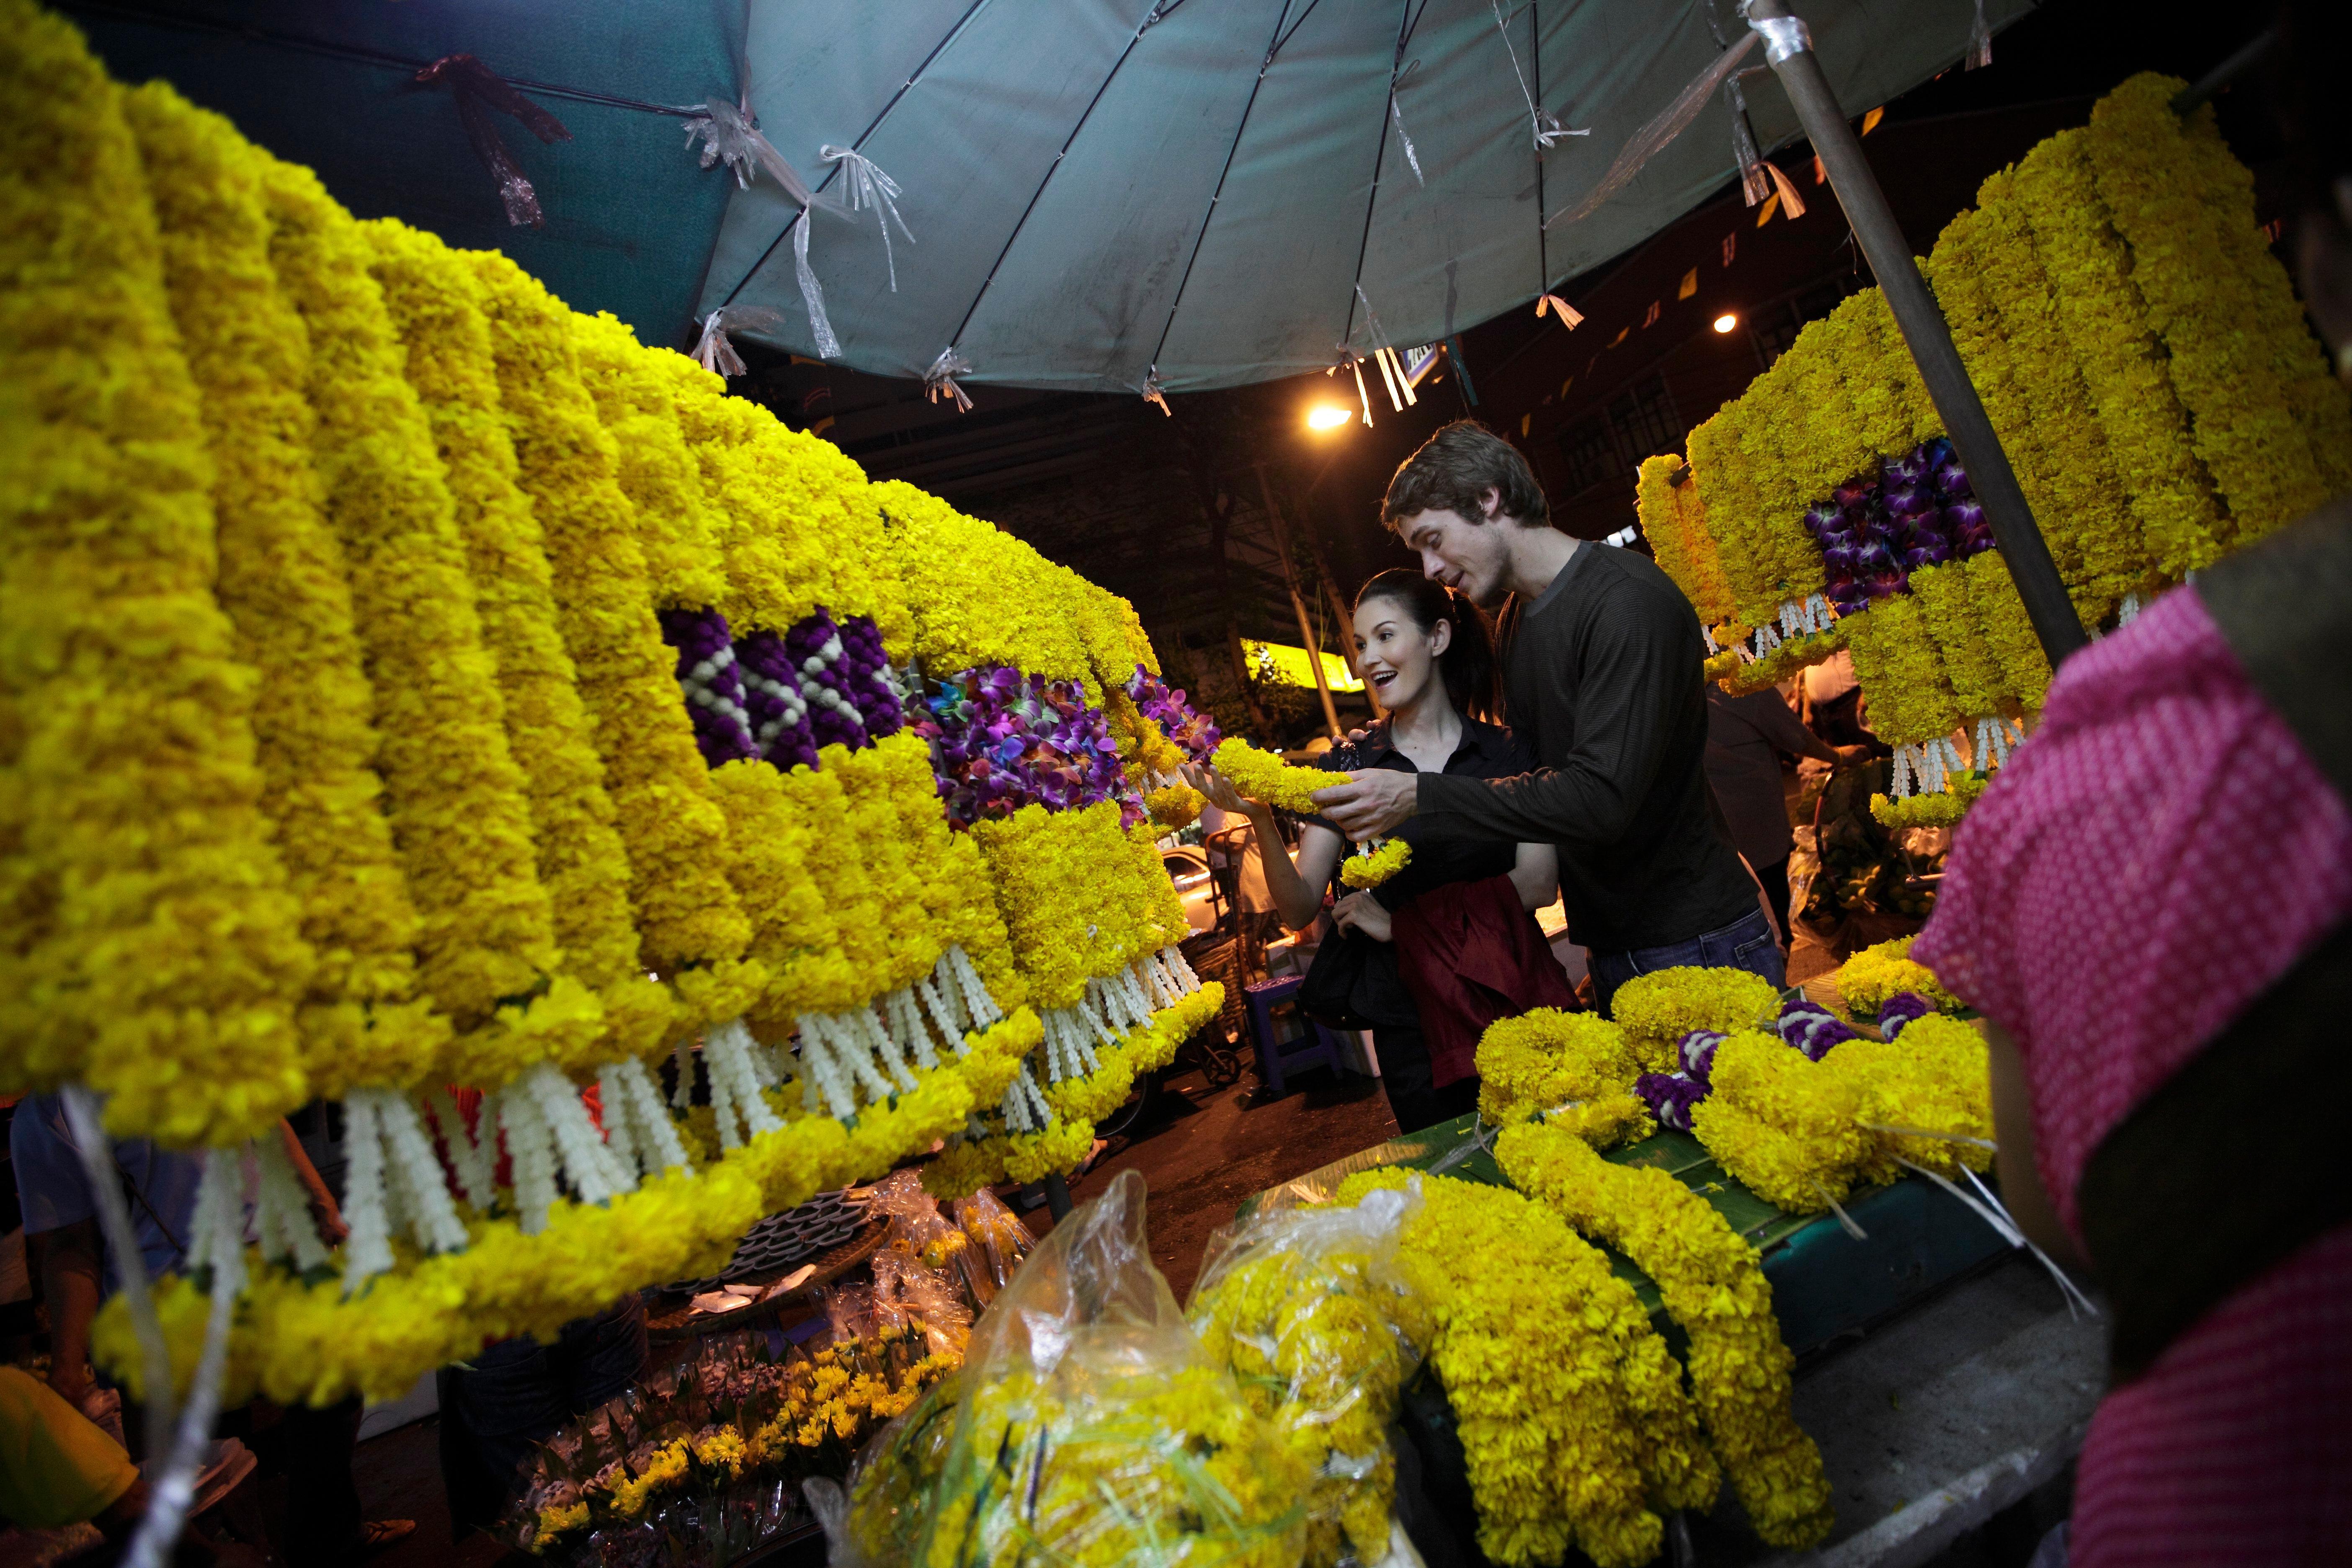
(1299, 604)
(1790, 50)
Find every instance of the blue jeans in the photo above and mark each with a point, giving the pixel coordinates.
(1748, 943)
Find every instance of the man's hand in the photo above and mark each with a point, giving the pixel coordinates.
(1371, 805)
(1361, 912)
(1852, 756)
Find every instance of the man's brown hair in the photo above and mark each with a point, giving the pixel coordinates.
(1453, 470)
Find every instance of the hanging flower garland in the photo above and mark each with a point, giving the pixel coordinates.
(980, 596)
(436, 307)
(1000, 743)
(676, 532)
(693, 929)
(1674, 519)
(154, 950)
(282, 583)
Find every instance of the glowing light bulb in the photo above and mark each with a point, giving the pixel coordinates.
(1725, 321)
(1327, 417)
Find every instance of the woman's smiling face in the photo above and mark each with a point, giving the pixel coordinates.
(1394, 656)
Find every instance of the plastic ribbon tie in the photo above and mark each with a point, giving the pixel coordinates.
(939, 381)
(1661, 128)
(478, 89)
(730, 134)
(869, 186)
(1155, 394)
(812, 292)
(1570, 316)
(1404, 136)
(1546, 125)
(1782, 36)
(1980, 40)
(1755, 185)
(1791, 204)
(715, 352)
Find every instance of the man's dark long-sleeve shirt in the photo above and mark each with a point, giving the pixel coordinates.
(1602, 673)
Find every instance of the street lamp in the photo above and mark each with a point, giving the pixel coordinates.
(1725, 321)
(1327, 417)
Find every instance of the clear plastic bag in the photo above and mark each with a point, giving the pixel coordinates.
(1089, 1428)
(1317, 1320)
(999, 1240)
(920, 1234)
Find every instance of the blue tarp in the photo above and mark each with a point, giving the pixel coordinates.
(1095, 187)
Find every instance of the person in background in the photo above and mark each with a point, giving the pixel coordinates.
(1425, 651)
(56, 1467)
(77, 1274)
(1746, 738)
(2152, 906)
(1603, 661)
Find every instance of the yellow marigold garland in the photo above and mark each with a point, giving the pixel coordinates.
(1657, 1009)
(1867, 979)
(1731, 515)
(1260, 775)
(1673, 518)
(1781, 1124)
(693, 929)
(1373, 866)
(169, 958)
(1949, 609)
(1571, 1414)
(1546, 1059)
(282, 584)
(1052, 873)
(455, 795)
(1901, 673)
(1931, 1079)
(655, 470)
(1942, 809)
(979, 596)
(436, 305)
(2100, 311)
(2204, 299)
(1713, 1284)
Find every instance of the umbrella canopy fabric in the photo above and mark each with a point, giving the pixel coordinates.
(1222, 188)
(630, 216)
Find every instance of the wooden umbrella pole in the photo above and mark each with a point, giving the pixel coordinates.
(1299, 604)
(1790, 50)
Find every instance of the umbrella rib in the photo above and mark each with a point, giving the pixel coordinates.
(1150, 16)
(1283, 42)
(1535, 68)
(859, 145)
(1272, 46)
(1380, 161)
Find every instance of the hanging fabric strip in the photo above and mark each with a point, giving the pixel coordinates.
(1651, 138)
(478, 89)
(869, 186)
(1570, 316)
(1980, 40)
(1362, 395)
(714, 350)
(939, 381)
(1388, 380)
(1754, 184)
(730, 134)
(1404, 381)
(812, 292)
(1547, 126)
(1155, 394)
(1791, 204)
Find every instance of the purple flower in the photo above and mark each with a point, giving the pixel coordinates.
(1697, 1054)
(1899, 1010)
(1811, 1028)
(712, 685)
(1951, 483)
(1670, 1097)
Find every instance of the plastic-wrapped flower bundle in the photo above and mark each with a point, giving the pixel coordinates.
(1090, 1427)
(1318, 1320)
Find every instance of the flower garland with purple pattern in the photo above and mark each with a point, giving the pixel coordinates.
(1808, 1026)
(1000, 741)
(713, 685)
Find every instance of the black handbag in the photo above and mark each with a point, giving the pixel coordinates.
(1353, 983)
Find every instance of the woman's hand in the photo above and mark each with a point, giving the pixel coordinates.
(1219, 790)
(1359, 911)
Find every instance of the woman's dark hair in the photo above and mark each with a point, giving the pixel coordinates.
(1467, 664)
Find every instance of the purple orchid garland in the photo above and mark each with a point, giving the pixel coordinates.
(1173, 714)
(1807, 1025)
(781, 697)
(1916, 511)
(1000, 741)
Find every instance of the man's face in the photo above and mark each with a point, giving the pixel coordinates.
(1472, 555)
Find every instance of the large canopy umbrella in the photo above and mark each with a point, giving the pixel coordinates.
(1228, 190)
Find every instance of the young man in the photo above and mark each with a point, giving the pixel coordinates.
(1601, 670)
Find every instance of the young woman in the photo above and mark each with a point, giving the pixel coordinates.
(1458, 915)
